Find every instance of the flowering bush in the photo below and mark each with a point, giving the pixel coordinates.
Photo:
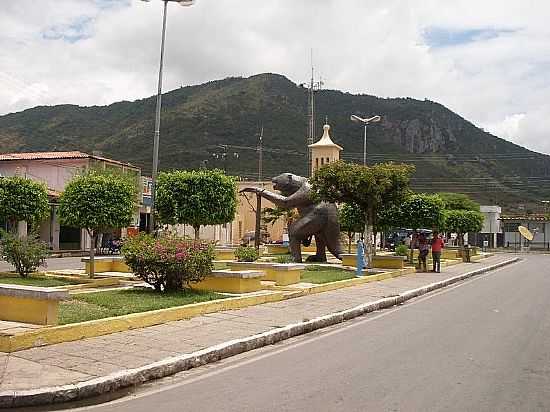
(26, 254)
(168, 263)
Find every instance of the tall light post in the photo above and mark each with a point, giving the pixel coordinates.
(157, 115)
(365, 122)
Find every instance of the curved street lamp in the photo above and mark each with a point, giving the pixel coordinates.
(365, 122)
(157, 115)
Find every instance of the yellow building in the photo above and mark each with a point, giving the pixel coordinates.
(324, 151)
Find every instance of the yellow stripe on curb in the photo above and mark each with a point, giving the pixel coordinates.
(93, 328)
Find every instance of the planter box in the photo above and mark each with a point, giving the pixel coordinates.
(225, 253)
(281, 273)
(107, 264)
(30, 304)
(380, 262)
(277, 250)
(242, 281)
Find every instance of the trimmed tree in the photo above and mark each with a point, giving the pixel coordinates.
(463, 221)
(98, 202)
(22, 200)
(352, 221)
(369, 187)
(417, 211)
(458, 201)
(196, 197)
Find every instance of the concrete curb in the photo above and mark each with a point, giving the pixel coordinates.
(172, 365)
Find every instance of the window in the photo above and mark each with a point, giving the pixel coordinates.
(322, 161)
(328, 160)
(316, 163)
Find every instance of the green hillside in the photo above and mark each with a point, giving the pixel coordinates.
(450, 153)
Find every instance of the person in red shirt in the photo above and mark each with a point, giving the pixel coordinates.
(437, 246)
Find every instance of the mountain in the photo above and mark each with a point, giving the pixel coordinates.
(450, 153)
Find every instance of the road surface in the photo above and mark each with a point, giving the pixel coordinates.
(482, 345)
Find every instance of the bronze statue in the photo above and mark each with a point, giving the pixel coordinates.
(316, 219)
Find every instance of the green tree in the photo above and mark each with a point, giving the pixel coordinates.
(463, 221)
(458, 201)
(352, 221)
(196, 198)
(418, 210)
(98, 202)
(22, 200)
(369, 187)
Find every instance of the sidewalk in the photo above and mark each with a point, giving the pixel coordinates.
(76, 362)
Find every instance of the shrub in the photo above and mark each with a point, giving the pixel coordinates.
(168, 263)
(26, 254)
(246, 254)
(284, 259)
(401, 250)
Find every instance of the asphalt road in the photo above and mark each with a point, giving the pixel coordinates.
(53, 264)
(483, 345)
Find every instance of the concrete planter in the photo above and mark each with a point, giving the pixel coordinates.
(242, 281)
(277, 250)
(107, 264)
(380, 262)
(225, 253)
(282, 274)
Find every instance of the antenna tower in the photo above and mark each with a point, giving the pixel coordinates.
(313, 86)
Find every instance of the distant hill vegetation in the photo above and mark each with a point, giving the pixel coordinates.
(450, 153)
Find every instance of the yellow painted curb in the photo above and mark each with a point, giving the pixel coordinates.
(77, 331)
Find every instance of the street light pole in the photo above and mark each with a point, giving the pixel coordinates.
(365, 123)
(156, 137)
(365, 147)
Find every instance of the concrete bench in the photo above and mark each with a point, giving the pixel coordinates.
(224, 253)
(30, 304)
(277, 249)
(281, 273)
(228, 281)
(107, 264)
(381, 262)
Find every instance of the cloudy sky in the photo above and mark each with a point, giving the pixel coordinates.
(488, 60)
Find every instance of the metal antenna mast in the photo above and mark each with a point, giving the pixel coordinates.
(313, 86)
(260, 158)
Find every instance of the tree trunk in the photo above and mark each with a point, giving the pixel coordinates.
(368, 238)
(349, 242)
(22, 229)
(93, 236)
(197, 232)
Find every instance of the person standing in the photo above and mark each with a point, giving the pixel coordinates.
(437, 247)
(423, 251)
(360, 257)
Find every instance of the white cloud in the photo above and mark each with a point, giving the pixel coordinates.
(100, 51)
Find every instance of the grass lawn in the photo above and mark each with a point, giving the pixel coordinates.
(42, 282)
(321, 274)
(90, 306)
(220, 265)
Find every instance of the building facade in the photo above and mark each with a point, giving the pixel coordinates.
(55, 170)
